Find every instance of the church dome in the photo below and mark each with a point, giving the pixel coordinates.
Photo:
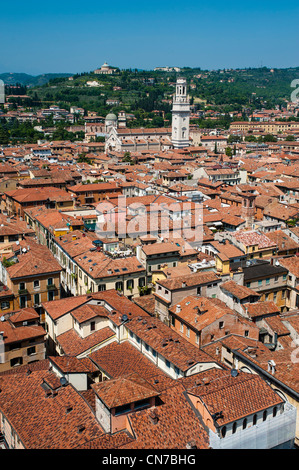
(111, 117)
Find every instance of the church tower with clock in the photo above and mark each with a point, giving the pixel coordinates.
(180, 115)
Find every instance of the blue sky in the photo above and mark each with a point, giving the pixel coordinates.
(76, 36)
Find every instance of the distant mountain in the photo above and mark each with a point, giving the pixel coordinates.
(30, 80)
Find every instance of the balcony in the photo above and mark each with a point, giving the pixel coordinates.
(22, 291)
(51, 287)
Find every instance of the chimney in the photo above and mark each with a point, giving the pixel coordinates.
(153, 417)
(271, 366)
(178, 309)
(191, 444)
(184, 284)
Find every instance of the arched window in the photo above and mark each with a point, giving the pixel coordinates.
(234, 427)
(244, 423)
(265, 415)
(274, 411)
(223, 431)
(254, 420)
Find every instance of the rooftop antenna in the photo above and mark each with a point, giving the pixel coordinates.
(63, 381)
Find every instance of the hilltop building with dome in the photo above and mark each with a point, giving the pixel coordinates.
(105, 70)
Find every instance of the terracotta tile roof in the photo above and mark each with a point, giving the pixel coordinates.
(277, 325)
(72, 344)
(233, 220)
(194, 279)
(291, 319)
(95, 187)
(25, 314)
(39, 194)
(280, 211)
(98, 265)
(146, 302)
(119, 359)
(37, 261)
(11, 334)
(75, 243)
(53, 219)
(87, 311)
(292, 264)
(58, 308)
(286, 371)
(167, 342)
(200, 312)
(160, 427)
(176, 271)
(252, 237)
(41, 421)
(124, 390)
(283, 241)
(157, 248)
(43, 364)
(227, 250)
(71, 364)
(89, 397)
(5, 292)
(239, 291)
(14, 227)
(107, 441)
(236, 397)
(258, 309)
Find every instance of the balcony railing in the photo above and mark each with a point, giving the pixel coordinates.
(51, 287)
(23, 291)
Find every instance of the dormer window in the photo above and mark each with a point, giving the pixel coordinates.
(141, 404)
(122, 409)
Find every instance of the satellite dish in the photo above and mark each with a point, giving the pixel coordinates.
(2, 318)
(234, 373)
(124, 317)
(63, 381)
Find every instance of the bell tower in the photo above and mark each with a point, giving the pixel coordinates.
(248, 208)
(180, 115)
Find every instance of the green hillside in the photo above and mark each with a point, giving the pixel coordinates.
(29, 80)
(229, 89)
